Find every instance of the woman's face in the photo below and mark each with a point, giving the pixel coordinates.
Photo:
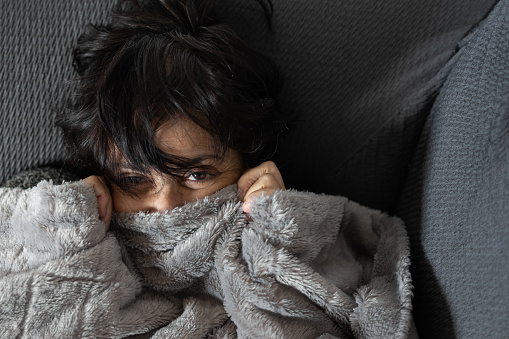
(163, 192)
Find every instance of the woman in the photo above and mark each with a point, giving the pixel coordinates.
(171, 106)
(170, 110)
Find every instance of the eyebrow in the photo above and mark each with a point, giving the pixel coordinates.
(199, 159)
(194, 161)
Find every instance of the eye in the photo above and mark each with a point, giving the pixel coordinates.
(200, 177)
(134, 180)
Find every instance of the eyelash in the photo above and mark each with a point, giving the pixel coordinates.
(131, 180)
(135, 181)
(210, 174)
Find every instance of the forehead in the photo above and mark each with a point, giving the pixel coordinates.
(184, 138)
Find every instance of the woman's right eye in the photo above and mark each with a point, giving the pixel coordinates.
(134, 181)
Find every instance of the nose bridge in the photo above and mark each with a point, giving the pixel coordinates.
(167, 197)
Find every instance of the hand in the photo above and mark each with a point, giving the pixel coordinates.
(264, 179)
(103, 195)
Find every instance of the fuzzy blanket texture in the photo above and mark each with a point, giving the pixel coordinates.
(301, 265)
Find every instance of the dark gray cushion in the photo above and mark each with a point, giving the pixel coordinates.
(36, 40)
(456, 201)
(361, 77)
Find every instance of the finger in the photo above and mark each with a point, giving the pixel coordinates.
(104, 201)
(252, 175)
(105, 208)
(265, 182)
(246, 206)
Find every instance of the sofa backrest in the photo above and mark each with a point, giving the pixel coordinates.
(456, 200)
(361, 78)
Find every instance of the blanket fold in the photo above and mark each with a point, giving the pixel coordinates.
(301, 265)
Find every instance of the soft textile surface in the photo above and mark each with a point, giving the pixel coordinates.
(300, 266)
(456, 203)
(361, 76)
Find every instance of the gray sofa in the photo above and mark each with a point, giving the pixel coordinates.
(401, 106)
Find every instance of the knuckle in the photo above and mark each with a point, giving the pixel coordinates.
(265, 181)
(270, 165)
(267, 178)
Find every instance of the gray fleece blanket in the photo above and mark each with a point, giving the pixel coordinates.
(301, 265)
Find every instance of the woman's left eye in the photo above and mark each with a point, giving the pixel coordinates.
(199, 175)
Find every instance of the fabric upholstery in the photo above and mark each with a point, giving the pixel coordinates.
(456, 201)
(35, 60)
(361, 77)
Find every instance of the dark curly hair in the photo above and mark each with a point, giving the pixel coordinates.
(158, 60)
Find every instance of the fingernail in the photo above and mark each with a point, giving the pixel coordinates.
(246, 207)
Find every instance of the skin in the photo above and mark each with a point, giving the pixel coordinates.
(161, 192)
